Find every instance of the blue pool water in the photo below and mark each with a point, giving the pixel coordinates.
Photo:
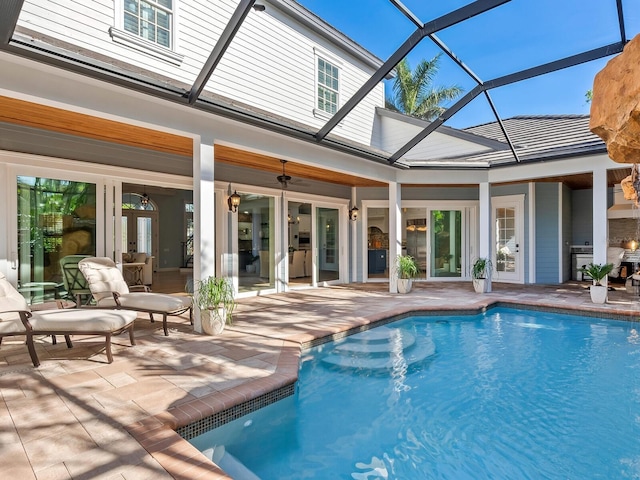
(509, 394)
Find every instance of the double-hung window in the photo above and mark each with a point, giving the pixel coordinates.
(328, 86)
(149, 19)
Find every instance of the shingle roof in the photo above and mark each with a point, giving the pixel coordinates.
(537, 137)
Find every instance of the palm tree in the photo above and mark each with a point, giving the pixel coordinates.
(414, 93)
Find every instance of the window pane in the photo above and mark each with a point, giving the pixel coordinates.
(165, 3)
(148, 12)
(163, 38)
(131, 6)
(148, 31)
(131, 23)
(163, 19)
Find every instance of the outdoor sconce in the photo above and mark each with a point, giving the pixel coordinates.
(634, 245)
(353, 214)
(233, 201)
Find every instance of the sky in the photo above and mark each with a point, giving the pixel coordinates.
(517, 35)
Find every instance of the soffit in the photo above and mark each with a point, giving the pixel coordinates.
(243, 158)
(21, 112)
(583, 180)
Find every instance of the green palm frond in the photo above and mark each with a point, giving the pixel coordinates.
(414, 93)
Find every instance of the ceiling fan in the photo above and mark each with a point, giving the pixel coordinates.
(284, 179)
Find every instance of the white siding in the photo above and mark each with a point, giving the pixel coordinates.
(394, 134)
(269, 65)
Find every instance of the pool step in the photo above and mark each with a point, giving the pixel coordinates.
(382, 348)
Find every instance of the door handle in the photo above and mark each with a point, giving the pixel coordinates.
(14, 260)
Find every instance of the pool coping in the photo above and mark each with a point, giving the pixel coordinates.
(161, 435)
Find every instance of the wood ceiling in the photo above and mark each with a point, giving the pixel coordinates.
(242, 158)
(49, 118)
(54, 119)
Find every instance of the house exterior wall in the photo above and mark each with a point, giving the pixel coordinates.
(546, 238)
(270, 64)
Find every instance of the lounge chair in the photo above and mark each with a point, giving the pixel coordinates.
(74, 282)
(110, 290)
(17, 319)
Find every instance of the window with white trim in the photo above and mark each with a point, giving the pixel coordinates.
(149, 19)
(328, 86)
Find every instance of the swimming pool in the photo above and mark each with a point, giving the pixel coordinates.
(505, 394)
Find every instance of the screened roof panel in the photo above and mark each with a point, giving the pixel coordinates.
(504, 40)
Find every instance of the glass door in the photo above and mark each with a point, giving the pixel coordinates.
(328, 241)
(56, 218)
(446, 243)
(256, 243)
(508, 231)
(300, 256)
(414, 237)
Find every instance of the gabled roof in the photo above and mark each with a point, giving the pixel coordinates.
(534, 137)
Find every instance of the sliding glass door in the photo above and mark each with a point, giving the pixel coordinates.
(56, 218)
(328, 241)
(446, 243)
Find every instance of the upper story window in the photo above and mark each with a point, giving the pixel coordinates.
(328, 86)
(149, 19)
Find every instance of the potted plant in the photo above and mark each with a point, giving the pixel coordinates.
(214, 297)
(481, 275)
(406, 270)
(598, 273)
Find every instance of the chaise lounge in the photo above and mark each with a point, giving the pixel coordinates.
(17, 319)
(110, 290)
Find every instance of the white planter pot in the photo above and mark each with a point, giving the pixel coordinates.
(404, 285)
(598, 293)
(480, 285)
(212, 322)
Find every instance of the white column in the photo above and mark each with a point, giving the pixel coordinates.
(484, 225)
(600, 224)
(532, 232)
(204, 253)
(354, 243)
(395, 232)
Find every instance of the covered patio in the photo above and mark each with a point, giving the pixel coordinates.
(119, 420)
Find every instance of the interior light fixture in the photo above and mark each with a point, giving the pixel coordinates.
(144, 200)
(233, 200)
(353, 214)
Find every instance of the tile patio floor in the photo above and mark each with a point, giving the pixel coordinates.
(78, 417)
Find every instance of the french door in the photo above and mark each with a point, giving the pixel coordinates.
(508, 234)
(140, 232)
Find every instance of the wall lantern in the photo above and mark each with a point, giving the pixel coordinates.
(233, 201)
(353, 214)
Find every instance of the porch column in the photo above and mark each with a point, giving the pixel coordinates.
(600, 224)
(395, 232)
(353, 276)
(484, 224)
(204, 243)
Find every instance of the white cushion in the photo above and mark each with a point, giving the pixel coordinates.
(156, 302)
(103, 277)
(614, 256)
(81, 320)
(10, 323)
